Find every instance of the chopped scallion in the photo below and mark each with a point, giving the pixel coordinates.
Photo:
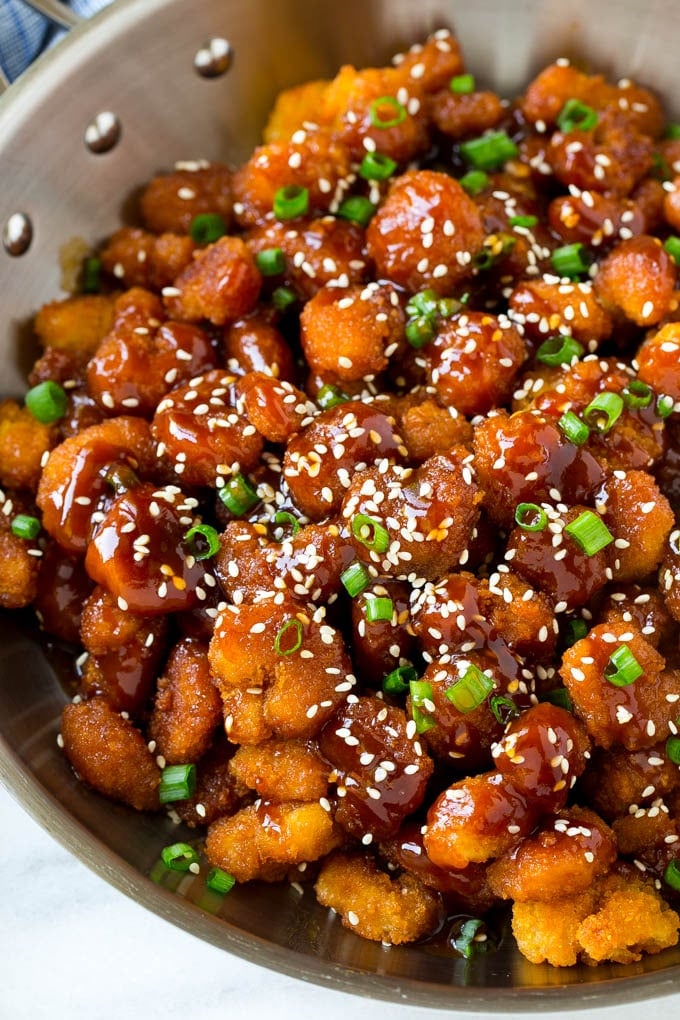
(286, 645)
(523, 221)
(622, 668)
(208, 543)
(370, 533)
(92, 271)
(379, 609)
(357, 209)
(420, 331)
(291, 201)
(330, 396)
(603, 411)
(206, 228)
(474, 182)
(664, 405)
(503, 708)
(489, 151)
(558, 696)
(471, 690)
(25, 526)
(220, 881)
(270, 261)
(399, 679)
(571, 260)
(377, 167)
(355, 579)
(673, 750)
(462, 84)
(238, 495)
(386, 112)
(47, 402)
(285, 521)
(179, 856)
(531, 517)
(672, 246)
(638, 394)
(575, 430)
(576, 629)
(178, 782)
(576, 116)
(671, 875)
(559, 350)
(468, 940)
(590, 532)
(422, 705)
(283, 298)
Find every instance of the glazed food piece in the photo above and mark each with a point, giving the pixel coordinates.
(353, 476)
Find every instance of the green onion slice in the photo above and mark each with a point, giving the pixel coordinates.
(571, 260)
(622, 668)
(220, 881)
(238, 495)
(420, 331)
(330, 396)
(25, 526)
(291, 201)
(637, 394)
(673, 750)
(672, 246)
(206, 534)
(603, 411)
(285, 520)
(283, 298)
(671, 875)
(664, 405)
(576, 629)
(531, 517)
(386, 112)
(370, 533)
(377, 167)
(355, 579)
(178, 782)
(287, 645)
(471, 690)
(121, 478)
(357, 209)
(425, 303)
(474, 182)
(467, 941)
(462, 84)
(672, 131)
(179, 856)
(503, 708)
(489, 151)
(523, 221)
(399, 680)
(379, 609)
(576, 116)
(422, 705)
(590, 532)
(92, 271)
(206, 228)
(47, 402)
(559, 350)
(575, 430)
(271, 261)
(558, 696)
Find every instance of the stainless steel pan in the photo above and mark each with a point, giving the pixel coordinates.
(144, 84)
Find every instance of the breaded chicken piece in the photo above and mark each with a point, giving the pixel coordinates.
(374, 905)
(281, 770)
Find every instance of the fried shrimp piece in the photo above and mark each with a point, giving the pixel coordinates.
(264, 840)
(618, 918)
(561, 859)
(282, 770)
(187, 708)
(109, 754)
(374, 905)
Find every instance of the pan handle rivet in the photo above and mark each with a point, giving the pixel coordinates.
(17, 234)
(214, 58)
(103, 132)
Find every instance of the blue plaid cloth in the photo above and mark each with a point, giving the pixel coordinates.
(24, 33)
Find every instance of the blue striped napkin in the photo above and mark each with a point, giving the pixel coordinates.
(24, 33)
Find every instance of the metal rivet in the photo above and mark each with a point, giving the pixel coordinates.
(103, 132)
(214, 58)
(18, 234)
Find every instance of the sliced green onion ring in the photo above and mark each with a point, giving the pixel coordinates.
(379, 610)
(467, 941)
(571, 260)
(283, 298)
(425, 303)
(474, 182)
(523, 221)
(178, 782)
(531, 517)
(575, 430)
(673, 750)
(377, 167)
(286, 521)
(206, 228)
(330, 396)
(462, 84)
(489, 151)
(503, 708)
(281, 642)
(47, 402)
(397, 682)
(576, 116)
(622, 668)
(370, 533)
(357, 209)
(355, 579)
(209, 535)
(671, 875)
(558, 696)
(559, 350)
(291, 201)
(471, 690)
(179, 856)
(220, 881)
(590, 532)
(376, 112)
(638, 394)
(422, 705)
(576, 629)
(603, 411)
(672, 246)
(271, 261)
(238, 495)
(664, 405)
(25, 526)
(91, 277)
(420, 331)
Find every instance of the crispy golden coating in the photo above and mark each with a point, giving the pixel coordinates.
(292, 107)
(351, 331)
(19, 575)
(637, 280)
(616, 780)
(281, 770)
(142, 259)
(109, 754)
(75, 324)
(636, 512)
(617, 919)
(650, 828)
(375, 905)
(170, 202)
(659, 364)
(545, 308)
(461, 116)
(562, 859)
(221, 284)
(23, 442)
(427, 429)
(217, 792)
(187, 708)
(264, 840)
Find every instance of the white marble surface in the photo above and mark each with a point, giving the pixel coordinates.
(73, 948)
